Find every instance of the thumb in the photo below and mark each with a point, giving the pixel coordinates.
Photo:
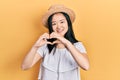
(56, 42)
(49, 42)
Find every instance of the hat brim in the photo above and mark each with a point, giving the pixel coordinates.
(57, 9)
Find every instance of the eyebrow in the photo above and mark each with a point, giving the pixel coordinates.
(60, 20)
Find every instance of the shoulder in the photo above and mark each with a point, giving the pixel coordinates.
(80, 46)
(78, 43)
(41, 50)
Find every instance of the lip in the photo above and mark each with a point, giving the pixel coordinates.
(59, 31)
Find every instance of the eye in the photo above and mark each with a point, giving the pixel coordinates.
(62, 22)
(53, 23)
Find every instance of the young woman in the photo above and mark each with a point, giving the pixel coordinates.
(61, 53)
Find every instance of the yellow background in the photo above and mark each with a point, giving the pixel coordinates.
(97, 25)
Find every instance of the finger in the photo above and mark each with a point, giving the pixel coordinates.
(56, 42)
(52, 35)
(44, 39)
(47, 36)
(49, 43)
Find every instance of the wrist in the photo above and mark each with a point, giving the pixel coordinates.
(67, 43)
(35, 47)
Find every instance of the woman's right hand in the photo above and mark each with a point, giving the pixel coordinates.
(31, 58)
(42, 40)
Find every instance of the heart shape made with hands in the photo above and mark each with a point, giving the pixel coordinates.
(50, 38)
(53, 41)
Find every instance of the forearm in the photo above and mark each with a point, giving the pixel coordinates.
(31, 58)
(27, 62)
(80, 58)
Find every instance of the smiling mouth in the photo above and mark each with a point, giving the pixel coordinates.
(59, 31)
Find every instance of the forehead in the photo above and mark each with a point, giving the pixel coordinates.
(58, 16)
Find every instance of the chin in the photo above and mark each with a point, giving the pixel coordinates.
(62, 34)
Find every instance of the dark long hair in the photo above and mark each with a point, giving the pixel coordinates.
(69, 34)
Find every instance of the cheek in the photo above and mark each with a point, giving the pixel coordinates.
(54, 28)
(66, 30)
(66, 27)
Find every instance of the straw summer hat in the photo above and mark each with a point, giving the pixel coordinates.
(56, 9)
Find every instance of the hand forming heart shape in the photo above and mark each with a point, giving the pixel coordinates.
(48, 39)
(53, 41)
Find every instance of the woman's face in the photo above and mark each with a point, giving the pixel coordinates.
(59, 24)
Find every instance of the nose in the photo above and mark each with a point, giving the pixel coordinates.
(58, 25)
